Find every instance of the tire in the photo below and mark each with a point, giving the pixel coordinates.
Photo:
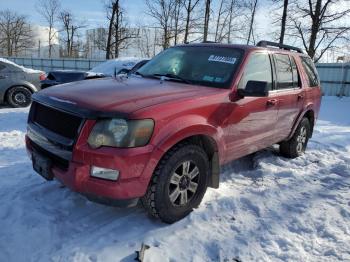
(19, 96)
(296, 146)
(183, 171)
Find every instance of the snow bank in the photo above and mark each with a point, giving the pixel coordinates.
(268, 208)
(25, 69)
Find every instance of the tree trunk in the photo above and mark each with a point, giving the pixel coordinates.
(110, 29)
(283, 22)
(314, 29)
(252, 22)
(188, 15)
(230, 23)
(50, 40)
(117, 30)
(206, 20)
(218, 21)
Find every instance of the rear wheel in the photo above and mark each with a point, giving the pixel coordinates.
(178, 183)
(297, 144)
(19, 96)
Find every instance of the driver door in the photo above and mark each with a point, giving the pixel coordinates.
(251, 124)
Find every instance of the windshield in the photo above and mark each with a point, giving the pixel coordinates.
(209, 66)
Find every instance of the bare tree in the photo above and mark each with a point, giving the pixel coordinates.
(231, 14)
(320, 24)
(70, 27)
(49, 10)
(118, 31)
(251, 6)
(283, 20)
(206, 20)
(15, 33)
(163, 12)
(223, 21)
(190, 5)
(144, 42)
(111, 19)
(177, 17)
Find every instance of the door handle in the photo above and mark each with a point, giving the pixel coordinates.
(300, 97)
(272, 102)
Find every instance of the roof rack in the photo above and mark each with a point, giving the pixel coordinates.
(209, 42)
(281, 46)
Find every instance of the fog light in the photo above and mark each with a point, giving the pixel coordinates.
(104, 173)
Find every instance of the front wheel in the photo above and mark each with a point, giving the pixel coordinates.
(296, 146)
(178, 183)
(19, 96)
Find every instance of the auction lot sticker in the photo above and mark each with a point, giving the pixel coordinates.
(222, 59)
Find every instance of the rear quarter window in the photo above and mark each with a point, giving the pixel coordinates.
(310, 71)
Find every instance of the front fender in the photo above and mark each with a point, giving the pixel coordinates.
(184, 127)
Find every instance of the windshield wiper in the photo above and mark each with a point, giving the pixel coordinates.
(139, 74)
(174, 77)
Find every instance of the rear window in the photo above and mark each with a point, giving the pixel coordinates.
(68, 76)
(310, 70)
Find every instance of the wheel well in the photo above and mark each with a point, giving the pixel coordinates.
(8, 89)
(211, 149)
(310, 115)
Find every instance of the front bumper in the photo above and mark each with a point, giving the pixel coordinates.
(136, 166)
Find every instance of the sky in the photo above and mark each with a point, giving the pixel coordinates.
(91, 11)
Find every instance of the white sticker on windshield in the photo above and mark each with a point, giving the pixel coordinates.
(222, 59)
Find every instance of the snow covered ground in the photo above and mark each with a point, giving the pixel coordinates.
(268, 208)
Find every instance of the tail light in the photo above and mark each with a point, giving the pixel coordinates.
(42, 77)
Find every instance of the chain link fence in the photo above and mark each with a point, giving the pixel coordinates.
(335, 77)
(48, 64)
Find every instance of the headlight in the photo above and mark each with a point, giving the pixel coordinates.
(121, 133)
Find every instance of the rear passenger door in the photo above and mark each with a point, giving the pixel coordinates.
(288, 92)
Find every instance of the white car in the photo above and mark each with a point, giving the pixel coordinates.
(115, 67)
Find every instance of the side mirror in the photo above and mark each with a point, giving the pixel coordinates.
(254, 89)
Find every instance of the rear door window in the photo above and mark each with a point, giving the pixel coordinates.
(284, 71)
(296, 77)
(311, 71)
(258, 68)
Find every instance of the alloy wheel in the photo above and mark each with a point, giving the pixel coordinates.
(183, 183)
(301, 139)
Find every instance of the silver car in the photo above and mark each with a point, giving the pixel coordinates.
(17, 83)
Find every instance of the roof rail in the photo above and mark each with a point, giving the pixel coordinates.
(209, 42)
(281, 46)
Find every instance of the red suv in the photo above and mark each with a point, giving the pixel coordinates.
(161, 135)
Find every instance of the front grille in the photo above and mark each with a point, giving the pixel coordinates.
(59, 122)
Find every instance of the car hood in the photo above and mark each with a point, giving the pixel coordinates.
(121, 94)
